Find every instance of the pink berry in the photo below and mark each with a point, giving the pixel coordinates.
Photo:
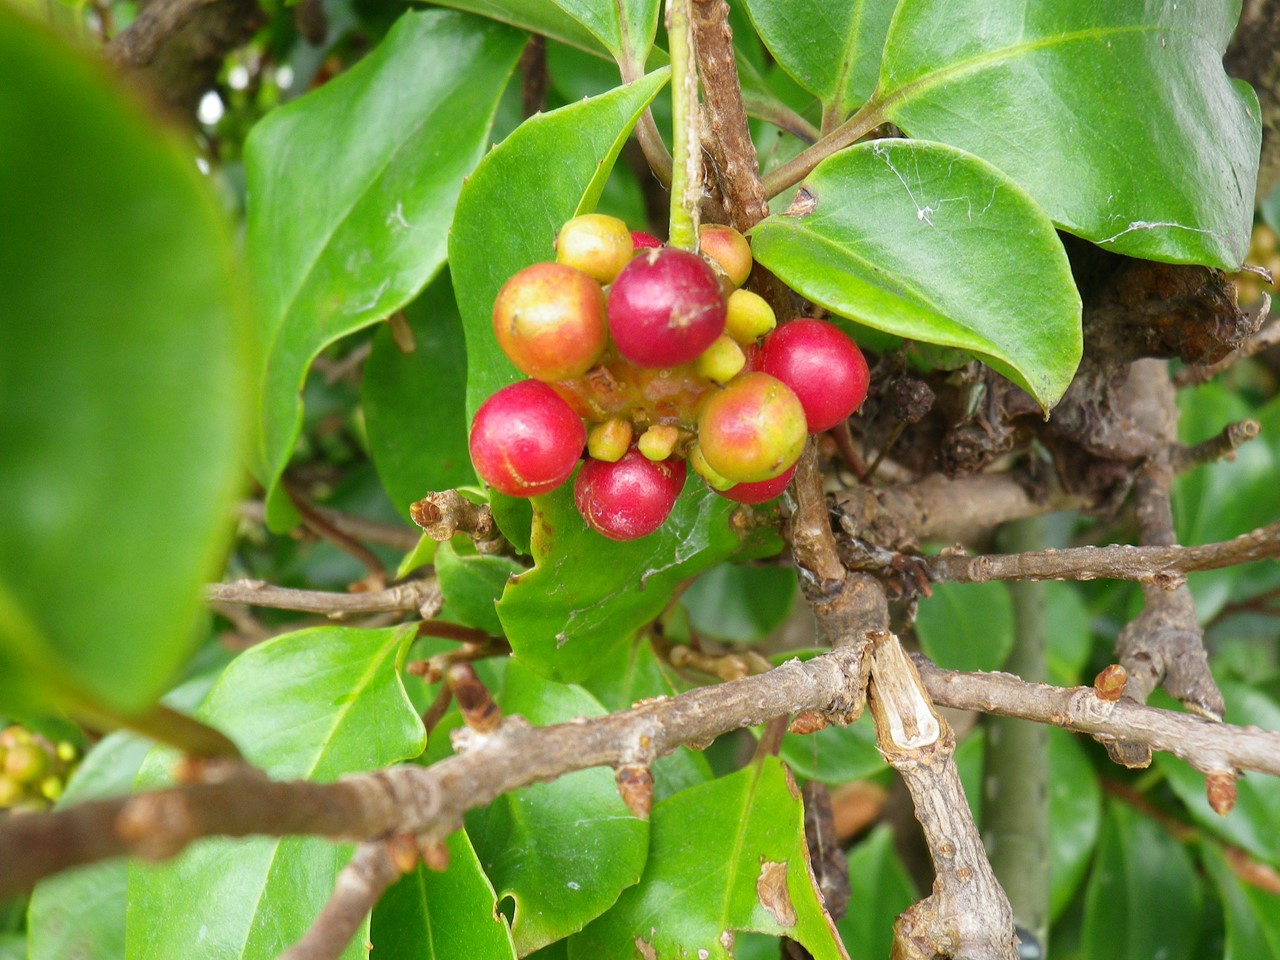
(752, 430)
(644, 241)
(630, 498)
(665, 308)
(525, 440)
(761, 492)
(549, 321)
(824, 368)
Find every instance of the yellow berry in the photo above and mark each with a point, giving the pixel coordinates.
(703, 469)
(597, 244)
(722, 361)
(749, 317)
(608, 441)
(658, 441)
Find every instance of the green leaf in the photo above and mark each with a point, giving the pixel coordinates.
(80, 913)
(313, 704)
(1252, 914)
(415, 404)
(1117, 117)
(1139, 866)
(740, 604)
(882, 889)
(351, 190)
(1251, 823)
(510, 210)
(830, 47)
(724, 857)
(835, 754)
(967, 626)
(924, 241)
(563, 851)
(1071, 636)
(1075, 817)
(629, 673)
(472, 585)
(442, 916)
(587, 594)
(122, 348)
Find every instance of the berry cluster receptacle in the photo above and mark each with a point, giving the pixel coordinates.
(653, 358)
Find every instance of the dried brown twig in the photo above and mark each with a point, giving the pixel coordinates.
(419, 595)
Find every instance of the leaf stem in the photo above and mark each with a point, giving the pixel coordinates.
(848, 133)
(686, 168)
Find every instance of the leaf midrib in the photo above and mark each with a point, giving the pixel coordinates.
(339, 718)
(960, 68)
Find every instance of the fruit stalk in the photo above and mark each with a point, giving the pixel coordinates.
(686, 171)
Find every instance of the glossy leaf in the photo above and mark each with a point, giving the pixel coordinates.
(587, 594)
(442, 916)
(403, 126)
(1075, 808)
(1075, 817)
(835, 754)
(1117, 118)
(1252, 914)
(510, 210)
(967, 626)
(630, 673)
(1222, 500)
(924, 241)
(739, 603)
(1138, 865)
(80, 913)
(313, 704)
(726, 856)
(624, 28)
(121, 349)
(472, 585)
(563, 851)
(831, 48)
(1252, 823)
(881, 889)
(1070, 635)
(415, 403)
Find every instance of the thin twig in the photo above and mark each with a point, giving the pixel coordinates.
(362, 881)
(1208, 746)
(1221, 446)
(421, 596)
(138, 44)
(686, 139)
(320, 525)
(412, 799)
(388, 534)
(1161, 566)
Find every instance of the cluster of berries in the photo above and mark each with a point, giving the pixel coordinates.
(33, 770)
(651, 358)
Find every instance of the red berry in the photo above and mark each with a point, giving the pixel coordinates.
(549, 320)
(525, 440)
(752, 430)
(644, 241)
(822, 365)
(665, 308)
(761, 492)
(630, 498)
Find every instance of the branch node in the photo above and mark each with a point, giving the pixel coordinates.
(479, 711)
(1109, 684)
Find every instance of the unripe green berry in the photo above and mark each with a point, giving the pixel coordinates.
(10, 792)
(67, 751)
(658, 441)
(596, 244)
(722, 361)
(608, 441)
(703, 469)
(51, 788)
(748, 316)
